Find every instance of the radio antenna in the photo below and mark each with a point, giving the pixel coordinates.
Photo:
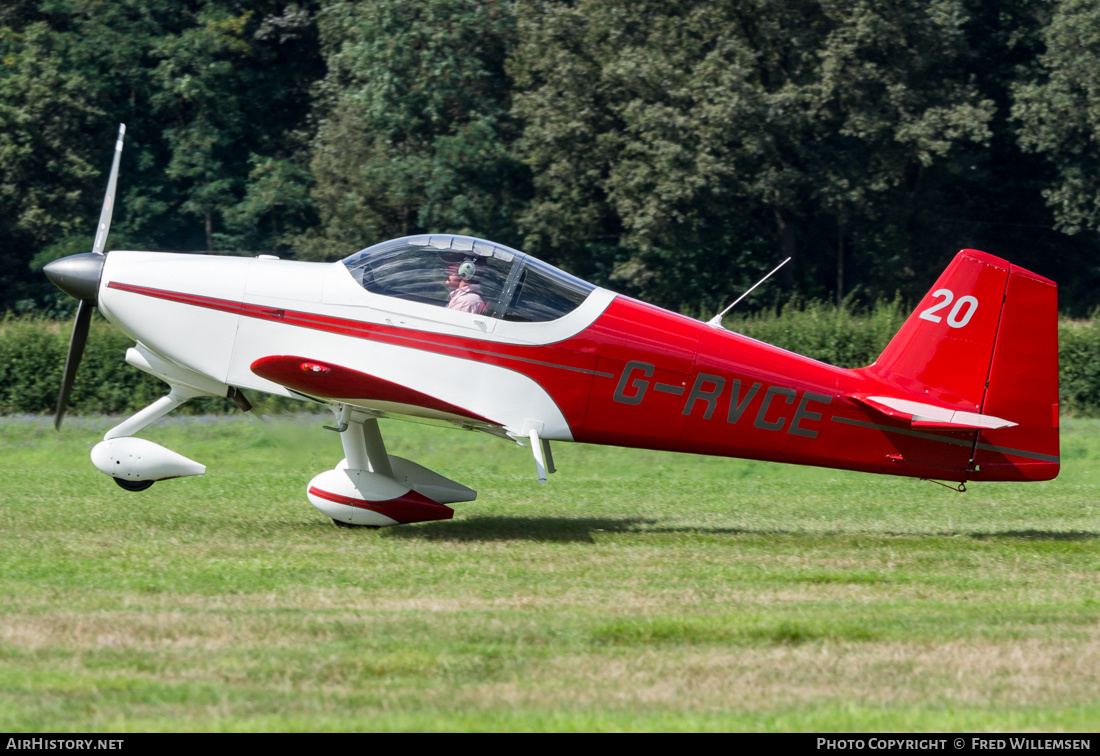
(716, 321)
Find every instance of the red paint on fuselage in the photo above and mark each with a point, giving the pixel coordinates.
(983, 340)
(740, 397)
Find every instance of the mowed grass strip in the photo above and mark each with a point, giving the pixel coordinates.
(635, 591)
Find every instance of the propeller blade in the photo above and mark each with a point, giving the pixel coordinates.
(72, 361)
(109, 198)
(79, 275)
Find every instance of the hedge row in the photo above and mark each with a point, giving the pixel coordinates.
(32, 356)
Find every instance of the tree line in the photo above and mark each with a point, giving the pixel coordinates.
(673, 151)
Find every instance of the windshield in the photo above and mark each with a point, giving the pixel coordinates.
(471, 275)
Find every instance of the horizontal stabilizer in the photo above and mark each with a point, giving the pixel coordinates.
(930, 416)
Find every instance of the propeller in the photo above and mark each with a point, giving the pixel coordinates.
(79, 276)
(72, 360)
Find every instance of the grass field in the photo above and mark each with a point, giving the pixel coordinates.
(634, 591)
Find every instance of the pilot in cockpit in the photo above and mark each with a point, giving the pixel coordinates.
(465, 292)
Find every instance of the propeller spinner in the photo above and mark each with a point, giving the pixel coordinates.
(78, 276)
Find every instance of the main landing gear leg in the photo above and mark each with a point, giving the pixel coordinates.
(364, 447)
(374, 489)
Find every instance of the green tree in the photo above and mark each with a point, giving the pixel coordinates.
(215, 95)
(685, 135)
(414, 127)
(224, 90)
(47, 112)
(1056, 109)
(198, 94)
(1058, 112)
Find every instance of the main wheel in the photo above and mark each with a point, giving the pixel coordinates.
(134, 485)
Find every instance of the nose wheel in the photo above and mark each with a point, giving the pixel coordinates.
(133, 485)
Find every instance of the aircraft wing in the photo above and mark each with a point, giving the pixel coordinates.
(325, 380)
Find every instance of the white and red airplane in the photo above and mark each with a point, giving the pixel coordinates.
(473, 334)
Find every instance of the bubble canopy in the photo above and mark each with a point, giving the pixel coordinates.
(495, 280)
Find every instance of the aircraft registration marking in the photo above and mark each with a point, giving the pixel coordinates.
(706, 390)
(634, 383)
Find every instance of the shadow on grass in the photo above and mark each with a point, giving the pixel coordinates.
(561, 529)
(580, 530)
(1038, 535)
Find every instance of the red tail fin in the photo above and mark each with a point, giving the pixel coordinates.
(943, 351)
(985, 340)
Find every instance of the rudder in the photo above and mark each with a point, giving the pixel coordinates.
(1023, 385)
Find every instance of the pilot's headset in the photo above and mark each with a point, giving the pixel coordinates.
(467, 268)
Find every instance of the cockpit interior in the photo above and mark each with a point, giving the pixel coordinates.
(502, 282)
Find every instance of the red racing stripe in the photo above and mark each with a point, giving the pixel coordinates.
(412, 507)
(564, 358)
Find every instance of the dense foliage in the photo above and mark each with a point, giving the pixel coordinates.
(673, 151)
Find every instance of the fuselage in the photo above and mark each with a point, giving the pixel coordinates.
(611, 371)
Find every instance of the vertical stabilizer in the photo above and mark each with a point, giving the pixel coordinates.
(942, 354)
(984, 340)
